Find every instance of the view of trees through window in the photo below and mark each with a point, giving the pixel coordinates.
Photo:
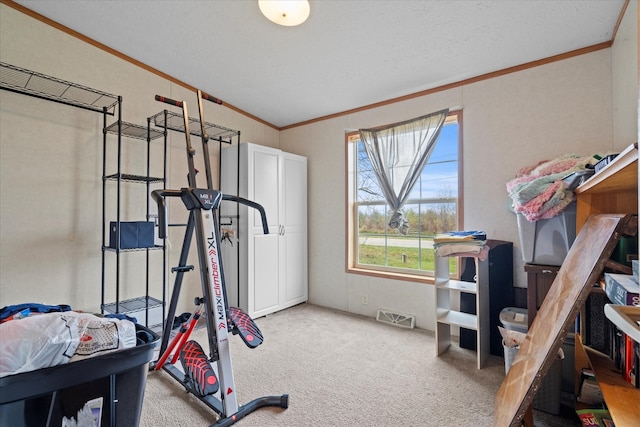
(432, 208)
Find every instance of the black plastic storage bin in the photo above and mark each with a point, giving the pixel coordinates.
(41, 398)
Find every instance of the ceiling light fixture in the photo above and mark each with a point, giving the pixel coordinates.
(285, 12)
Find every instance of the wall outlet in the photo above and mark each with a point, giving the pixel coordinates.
(365, 300)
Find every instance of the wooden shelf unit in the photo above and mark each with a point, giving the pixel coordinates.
(614, 189)
(448, 316)
(621, 397)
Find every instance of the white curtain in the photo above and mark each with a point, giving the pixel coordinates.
(398, 154)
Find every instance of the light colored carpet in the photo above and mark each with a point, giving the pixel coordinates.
(342, 370)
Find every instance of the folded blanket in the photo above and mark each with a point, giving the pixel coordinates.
(459, 236)
(461, 250)
(538, 192)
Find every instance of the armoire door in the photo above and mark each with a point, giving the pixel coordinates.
(293, 219)
(267, 272)
(264, 295)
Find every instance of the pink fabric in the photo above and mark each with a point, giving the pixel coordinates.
(538, 192)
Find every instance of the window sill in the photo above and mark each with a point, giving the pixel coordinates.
(392, 275)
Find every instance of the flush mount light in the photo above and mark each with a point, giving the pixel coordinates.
(285, 12)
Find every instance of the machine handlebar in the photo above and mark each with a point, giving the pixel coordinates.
(179, 103)
(210, 98)
(160, 195)
(263, 215)
(168, 101)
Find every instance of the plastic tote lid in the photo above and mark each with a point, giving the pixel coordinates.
(514, 317)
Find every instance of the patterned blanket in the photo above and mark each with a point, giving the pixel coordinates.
(538, 192)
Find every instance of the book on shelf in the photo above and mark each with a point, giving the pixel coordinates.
(622, 289)
(636, 361)
(591, 324)
(631, 355)
(590, 392)
(625, 353)
(595, 418)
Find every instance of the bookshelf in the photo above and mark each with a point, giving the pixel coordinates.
(579, 272)
(614, 189)
(447, 299)
(621, 397)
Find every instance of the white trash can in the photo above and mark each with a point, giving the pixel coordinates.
(513, 319)
(548, 396)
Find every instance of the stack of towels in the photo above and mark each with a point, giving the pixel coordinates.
(461, 243)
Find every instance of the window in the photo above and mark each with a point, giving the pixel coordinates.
(432, 207)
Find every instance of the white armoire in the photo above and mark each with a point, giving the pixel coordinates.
(264, 273)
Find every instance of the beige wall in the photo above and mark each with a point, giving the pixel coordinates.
(625, 78)
(510, 122)
(51, 168)
(50, 164)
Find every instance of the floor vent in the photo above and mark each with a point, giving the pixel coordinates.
(396, 319)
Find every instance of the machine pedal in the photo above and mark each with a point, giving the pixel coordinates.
(198, 369)
(244, 325)
(182, 269)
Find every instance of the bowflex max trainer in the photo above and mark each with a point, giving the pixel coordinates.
(199, 376)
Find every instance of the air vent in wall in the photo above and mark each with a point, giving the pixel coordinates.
(396, 319)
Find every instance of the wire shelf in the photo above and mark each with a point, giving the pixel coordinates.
(39, 85)
(176, 122)
(133, 178)
(134, 131)
(150, 248)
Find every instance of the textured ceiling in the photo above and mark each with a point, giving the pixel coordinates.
(347, 55)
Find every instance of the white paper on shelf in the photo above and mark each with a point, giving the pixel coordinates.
(626, 318)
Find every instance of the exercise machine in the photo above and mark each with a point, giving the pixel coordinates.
(213, 386)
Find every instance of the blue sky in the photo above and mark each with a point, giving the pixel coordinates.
(441, 171)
